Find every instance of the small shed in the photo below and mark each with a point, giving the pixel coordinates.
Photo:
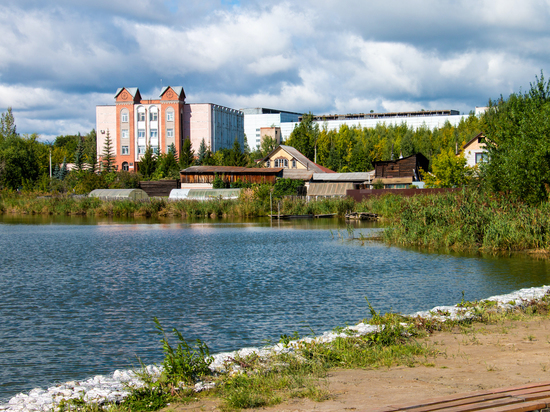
(204, 194)
(111, 194)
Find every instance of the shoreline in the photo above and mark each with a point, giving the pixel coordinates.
(111, 388)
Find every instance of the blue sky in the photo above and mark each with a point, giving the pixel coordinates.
(61, 58)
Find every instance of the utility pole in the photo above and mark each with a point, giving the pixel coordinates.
(50, 162)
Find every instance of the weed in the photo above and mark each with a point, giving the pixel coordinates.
(185, 363)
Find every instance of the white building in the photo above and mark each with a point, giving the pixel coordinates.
(255, 119)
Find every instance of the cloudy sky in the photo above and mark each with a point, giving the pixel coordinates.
(61, 58)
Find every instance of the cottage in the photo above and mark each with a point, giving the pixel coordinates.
(475, 151)
(401, 173)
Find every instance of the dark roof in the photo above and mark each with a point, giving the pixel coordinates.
(418, 155)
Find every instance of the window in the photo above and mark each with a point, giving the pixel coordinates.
(155, 149)
(124, 150)
(153, 116)
(294, 163)
(268, 164)
(170, 116)
(125, 134)
(124, 117)
(141, 134)
(141, 116)
(154, 133)
(286, 163)
(169, 132)
(481, 157)
(125, 166)
(141, 150)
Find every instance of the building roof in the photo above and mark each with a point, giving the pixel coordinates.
(231, 169)
(472, 140)
(309, 165)
(297, 174)
(418, 155)
(344, 177)
(177, 89)
(131, 90)
(329, 189)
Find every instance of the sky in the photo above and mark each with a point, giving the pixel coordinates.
(59, 59)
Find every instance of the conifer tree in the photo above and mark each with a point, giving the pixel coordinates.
(90, 150)
(187, 155)
(108, 155)
(148, 163)
(7, 125)
(203, 149)
(79, 154)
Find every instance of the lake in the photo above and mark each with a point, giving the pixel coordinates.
(78, 295)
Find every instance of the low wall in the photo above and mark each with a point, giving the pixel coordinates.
(360, 194)
(159, 188)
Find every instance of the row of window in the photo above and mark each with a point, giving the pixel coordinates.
(281, 163)
(153, 117)
(141, 150)
(153, 133)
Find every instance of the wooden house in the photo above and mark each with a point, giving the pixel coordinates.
(407, 167)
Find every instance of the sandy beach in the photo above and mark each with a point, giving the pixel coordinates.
(483, 357)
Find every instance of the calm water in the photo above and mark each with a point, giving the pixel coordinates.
(77, 296)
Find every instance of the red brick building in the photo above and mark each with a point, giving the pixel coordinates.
(134, 123)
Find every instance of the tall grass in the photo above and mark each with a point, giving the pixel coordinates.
(465, 220)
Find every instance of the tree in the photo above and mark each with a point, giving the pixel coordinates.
(167, 165)
(267, 145)
(79, 154)
(7, 125)
(90, 150)
(236, 156)
(517, 140)
(202, 152)
(148, 163)
(304, 136)
(187, 155)
(448, 170)
(108, 154)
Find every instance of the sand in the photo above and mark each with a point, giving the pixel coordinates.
(488, 356)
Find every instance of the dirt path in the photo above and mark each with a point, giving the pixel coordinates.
(493, 356)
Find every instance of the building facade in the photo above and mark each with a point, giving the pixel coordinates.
(257, 118)
(134, 123)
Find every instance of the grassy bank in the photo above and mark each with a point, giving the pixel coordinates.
(465, 220)
(248, 205)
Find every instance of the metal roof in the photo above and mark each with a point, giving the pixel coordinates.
(329, 189)
(296, 174)
(344, 177)
(131, 90)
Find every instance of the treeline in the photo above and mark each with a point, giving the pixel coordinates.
(355, 148)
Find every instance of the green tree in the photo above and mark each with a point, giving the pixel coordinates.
(148, 163)
(7, 125)
(203, 149)
(517, 139)
(90, 150)
(448, 170)
(267, 145)
(167, 165)
(187, 155)
(108, 154)
(304, 136)
(236, 155)
(79, 155)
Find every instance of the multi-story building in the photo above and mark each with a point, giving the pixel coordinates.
(134, 123)
(257, 118)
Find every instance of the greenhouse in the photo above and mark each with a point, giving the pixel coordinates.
(111, 194)
(204, 194)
